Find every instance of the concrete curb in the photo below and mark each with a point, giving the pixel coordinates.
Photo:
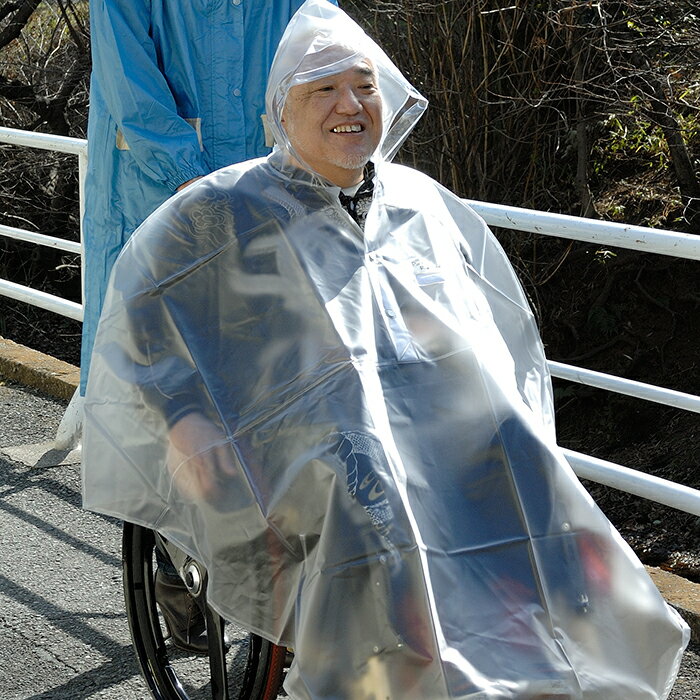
(59, 379)
(30, 368)
(682, 594)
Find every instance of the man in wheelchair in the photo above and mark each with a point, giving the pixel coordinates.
(318, 375)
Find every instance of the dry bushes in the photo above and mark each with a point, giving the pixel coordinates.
(44, 68)
(521, 92)
(575, 106)
(44, 71)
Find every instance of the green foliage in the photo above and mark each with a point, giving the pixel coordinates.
(633, 137)
(603, 255)
(630, 138)
(632, 164)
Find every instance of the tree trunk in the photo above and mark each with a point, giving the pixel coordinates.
(688, 183)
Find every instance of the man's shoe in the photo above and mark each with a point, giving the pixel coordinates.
(182, 615)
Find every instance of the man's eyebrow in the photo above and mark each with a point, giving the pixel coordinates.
(366, 71)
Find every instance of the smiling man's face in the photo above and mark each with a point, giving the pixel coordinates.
(335, 123)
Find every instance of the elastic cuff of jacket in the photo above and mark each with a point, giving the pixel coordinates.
(179, 412)
(183, 176)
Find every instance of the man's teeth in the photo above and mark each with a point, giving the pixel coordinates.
(347, 128)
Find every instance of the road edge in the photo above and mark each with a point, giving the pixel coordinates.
(31, 368)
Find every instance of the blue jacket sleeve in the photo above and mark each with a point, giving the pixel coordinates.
(125, 70)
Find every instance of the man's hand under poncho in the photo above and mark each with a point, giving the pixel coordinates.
(200, 458)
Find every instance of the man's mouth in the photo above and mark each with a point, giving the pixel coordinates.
(347, 129)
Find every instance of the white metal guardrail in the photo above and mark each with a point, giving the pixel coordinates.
(62, 144)
(640, 484)
(545, 223)
(682, 245)
(648, 240)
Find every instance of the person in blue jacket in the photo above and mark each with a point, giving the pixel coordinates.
(177, 91)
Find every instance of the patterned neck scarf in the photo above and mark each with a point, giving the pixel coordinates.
(358, 204)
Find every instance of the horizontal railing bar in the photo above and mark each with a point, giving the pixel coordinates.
(629, 387)
(635, 482)
(683, 245)
(37, 139)
(41, 299)
(39, 238)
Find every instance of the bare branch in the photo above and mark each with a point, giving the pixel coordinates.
(23, 11)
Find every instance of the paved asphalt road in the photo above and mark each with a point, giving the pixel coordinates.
(62, 623)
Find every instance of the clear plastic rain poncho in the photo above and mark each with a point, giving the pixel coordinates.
(352, 430)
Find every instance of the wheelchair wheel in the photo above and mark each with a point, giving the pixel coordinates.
(250, 669)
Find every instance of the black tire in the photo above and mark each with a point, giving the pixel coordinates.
(252, 668)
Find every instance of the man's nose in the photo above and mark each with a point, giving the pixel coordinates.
(348, 102)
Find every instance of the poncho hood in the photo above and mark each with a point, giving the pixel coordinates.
(321, 40)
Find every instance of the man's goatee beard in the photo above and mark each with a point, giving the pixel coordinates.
(351, 161)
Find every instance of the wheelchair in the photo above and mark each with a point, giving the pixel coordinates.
(247, 668)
